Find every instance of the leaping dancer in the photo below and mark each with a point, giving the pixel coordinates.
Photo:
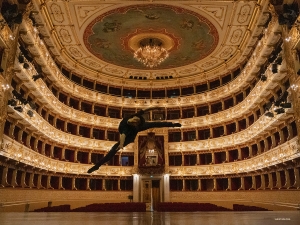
(128, 129)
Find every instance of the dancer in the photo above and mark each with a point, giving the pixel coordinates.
(128, 129)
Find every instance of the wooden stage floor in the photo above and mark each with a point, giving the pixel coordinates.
(152, 218)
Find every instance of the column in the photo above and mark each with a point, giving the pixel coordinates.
(271, 185)
(20, 134)
(49, 182)
(215, 188)
(209, 108)
(14, 178)
(88, 184)
(290, 131)
(225, 129)
(250, 151)
(28, 140)
(213, 160)
(4, 177)
(136, 188)
(242, 184)
(239, 153)
(199, 185)
(119, 185)
(90, 158)
(43, 148)
(91, 132)
(234, 100)
(68, 100)
(253, 187)
(35, 144)
(297, 178)
(60, 183)
(93, 108)
(31, 183)
(273, 141)
(12, 129)
(281, 136)
(211, 133)
(63, 153)
(23, 182)
(266, 143)
(247, 121)
(227, 155)
(237, 126)
(79, 104)
(55, 120)
(278, 180)
(66, 126)
(52, 151)
(75, 156)
(183, 184)
(195, 111)
(73, 184)
(104, 187)
(198, 159)
(229, 188)
(258, 147)
(287, 179)
(39, 183)
(263, 182)
(77, 129)
(223, 104)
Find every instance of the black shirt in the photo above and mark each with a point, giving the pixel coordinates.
(131, 131)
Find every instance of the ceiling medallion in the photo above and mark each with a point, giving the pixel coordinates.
(151, 52)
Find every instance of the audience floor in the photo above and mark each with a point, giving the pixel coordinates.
(152, 218)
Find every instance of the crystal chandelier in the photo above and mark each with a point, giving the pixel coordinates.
(151, 53)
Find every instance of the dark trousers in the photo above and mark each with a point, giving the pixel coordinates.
(115, 149)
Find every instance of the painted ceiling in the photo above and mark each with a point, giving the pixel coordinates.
(109, 36)
(96, 39)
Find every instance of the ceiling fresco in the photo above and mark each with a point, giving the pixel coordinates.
(97, 39)
(115, 35)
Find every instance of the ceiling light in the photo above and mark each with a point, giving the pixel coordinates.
(151, 53)
(286, 105)
(269, 114)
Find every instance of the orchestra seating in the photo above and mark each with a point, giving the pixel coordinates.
(113, 207)
(188, 207)
(238, 207)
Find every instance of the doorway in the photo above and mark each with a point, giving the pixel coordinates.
(155, 194)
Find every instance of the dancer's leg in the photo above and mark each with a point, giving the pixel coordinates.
(106, 158)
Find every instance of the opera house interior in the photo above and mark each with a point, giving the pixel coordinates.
(227, 71)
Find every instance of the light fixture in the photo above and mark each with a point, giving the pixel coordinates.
(36, 77)
(274, 68)
(269, 114)
(279, 110)
(18, 108)
(12, 102)
(263, 78)
(151, 53)
(286, 105)
(30, 113)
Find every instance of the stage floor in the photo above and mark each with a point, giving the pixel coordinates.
(152, 218)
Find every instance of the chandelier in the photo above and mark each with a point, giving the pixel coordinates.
(151, 53)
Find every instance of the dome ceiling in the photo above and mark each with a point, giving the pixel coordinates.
(115, 35)
(97, 39)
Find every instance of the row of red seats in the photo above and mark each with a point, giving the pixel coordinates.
(113, 207)
(59, 208)
(188, 207)
(238, 207)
